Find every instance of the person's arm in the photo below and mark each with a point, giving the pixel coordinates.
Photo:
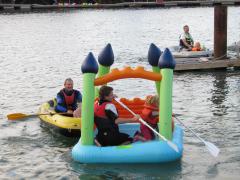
(186, 44)
(112, 113)
(191, 40)
(60, 104)
(77, 100)
(127, 120)
(79, 97)
(78, 112)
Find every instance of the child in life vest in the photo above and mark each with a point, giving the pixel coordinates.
(150, 114)
(197, 47)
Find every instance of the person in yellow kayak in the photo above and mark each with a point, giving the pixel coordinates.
(186, 41)
(69, 100)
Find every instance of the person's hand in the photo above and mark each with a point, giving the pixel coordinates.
(136, 118)
(77, 113)
(69, 111)
(115, 96)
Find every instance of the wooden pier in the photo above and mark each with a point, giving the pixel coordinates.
(156, 4)
(190, 64)
(184, 64)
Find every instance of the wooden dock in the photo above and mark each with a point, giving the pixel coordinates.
(183, 64)
(190, 64)
(160, 4)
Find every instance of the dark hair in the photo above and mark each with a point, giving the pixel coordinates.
(104, 91)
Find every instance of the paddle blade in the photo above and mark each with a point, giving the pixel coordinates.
(16, 116)
(214, 150)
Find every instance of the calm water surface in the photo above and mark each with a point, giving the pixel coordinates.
(39, 50)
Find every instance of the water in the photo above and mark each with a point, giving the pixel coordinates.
(39, 50)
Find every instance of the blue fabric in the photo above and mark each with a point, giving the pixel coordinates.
(61, 105)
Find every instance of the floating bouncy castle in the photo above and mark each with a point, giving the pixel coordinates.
(166, 149)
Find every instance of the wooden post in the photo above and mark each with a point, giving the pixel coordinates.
(220, 32)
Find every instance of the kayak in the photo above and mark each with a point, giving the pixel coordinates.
(70, 126)
(177, 53)
(65, 125)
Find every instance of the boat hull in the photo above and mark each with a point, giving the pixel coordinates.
(70, 126)
(65, 125)
(189, 54)
(156, 151)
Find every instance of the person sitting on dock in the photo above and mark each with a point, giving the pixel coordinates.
(186, 40)
(68, 99)
(107, 119)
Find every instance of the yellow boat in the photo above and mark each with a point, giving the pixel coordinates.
(70, 126)
(65, 125)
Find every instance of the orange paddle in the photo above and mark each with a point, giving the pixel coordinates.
(16, 116)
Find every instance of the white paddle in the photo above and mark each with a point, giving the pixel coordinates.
(172, 145)
(214, 150)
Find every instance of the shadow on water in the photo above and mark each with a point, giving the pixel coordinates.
(123, 171)
(55, 137)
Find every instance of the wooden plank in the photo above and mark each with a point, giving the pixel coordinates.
(198, 64)
(25, 7)
(206, 3)
(165, 4)
(8, 8)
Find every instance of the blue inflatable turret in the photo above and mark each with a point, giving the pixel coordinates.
(154, 54)
(90, 65)
(166, 60)
(106, 57)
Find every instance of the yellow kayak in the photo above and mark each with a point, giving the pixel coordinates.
(68, 126)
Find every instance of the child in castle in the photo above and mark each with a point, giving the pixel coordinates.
(150, 115)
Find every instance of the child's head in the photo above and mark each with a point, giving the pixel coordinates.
(152, 100)
(197, 45)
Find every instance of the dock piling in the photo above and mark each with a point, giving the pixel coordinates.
(220, 32)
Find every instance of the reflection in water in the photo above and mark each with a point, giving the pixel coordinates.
(219, 92)
(212, 171)
(121, 171)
